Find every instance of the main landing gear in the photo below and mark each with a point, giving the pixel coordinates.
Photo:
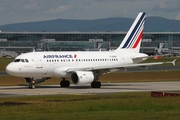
(64, 83)
(96, 84)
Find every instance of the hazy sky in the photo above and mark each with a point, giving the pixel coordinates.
(16, 11)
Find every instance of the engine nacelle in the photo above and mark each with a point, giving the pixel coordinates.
(82, 77)
(35, 81)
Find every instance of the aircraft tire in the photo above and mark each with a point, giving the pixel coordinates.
(64, 83)
(32, 86)
(96, 84)
(67, 83)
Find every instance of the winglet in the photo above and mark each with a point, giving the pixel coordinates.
(172, 62)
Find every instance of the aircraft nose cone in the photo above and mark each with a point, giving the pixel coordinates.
(10, 70)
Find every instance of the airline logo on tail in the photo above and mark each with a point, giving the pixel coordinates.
(133, 38)
(132, 43)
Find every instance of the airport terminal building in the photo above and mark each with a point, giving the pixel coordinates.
(20, 42)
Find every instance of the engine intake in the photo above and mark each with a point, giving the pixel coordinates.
(82, 77)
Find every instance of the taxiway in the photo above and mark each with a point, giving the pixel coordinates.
(106, 88)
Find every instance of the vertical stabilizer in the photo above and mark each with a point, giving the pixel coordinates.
(133, 38)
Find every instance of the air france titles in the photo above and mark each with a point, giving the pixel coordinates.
(58, 56)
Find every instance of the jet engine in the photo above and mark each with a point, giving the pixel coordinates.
(35, 80)
(82, 77)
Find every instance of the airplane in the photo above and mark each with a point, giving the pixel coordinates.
(82, 67)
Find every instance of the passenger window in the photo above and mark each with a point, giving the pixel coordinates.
(27, 60)
(22, 60)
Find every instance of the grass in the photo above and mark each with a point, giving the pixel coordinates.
(129, 106)
(4, 62)
(141, 76)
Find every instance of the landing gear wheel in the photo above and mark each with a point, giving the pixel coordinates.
(64, 83)
(96, 84)
(32, 86)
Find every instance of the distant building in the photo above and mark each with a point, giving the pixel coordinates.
(80, 41)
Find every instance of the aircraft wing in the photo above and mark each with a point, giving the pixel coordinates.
(119, 67)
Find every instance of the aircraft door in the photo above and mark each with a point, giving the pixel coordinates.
(38, 61)
(121, 58)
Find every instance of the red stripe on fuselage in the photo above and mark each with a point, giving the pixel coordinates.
(138, 40)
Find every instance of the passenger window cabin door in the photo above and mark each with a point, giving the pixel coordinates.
(121, 59)
(39, 63)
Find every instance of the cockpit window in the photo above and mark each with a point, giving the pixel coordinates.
(22, 60)
(27, 60)
(16, 60)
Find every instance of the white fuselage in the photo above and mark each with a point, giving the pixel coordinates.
(55, 64)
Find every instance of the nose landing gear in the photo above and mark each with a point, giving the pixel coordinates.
(31, 85)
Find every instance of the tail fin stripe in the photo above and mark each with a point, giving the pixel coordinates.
(134, 30)
(130, 39)
(138, 40)
(135, 37)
